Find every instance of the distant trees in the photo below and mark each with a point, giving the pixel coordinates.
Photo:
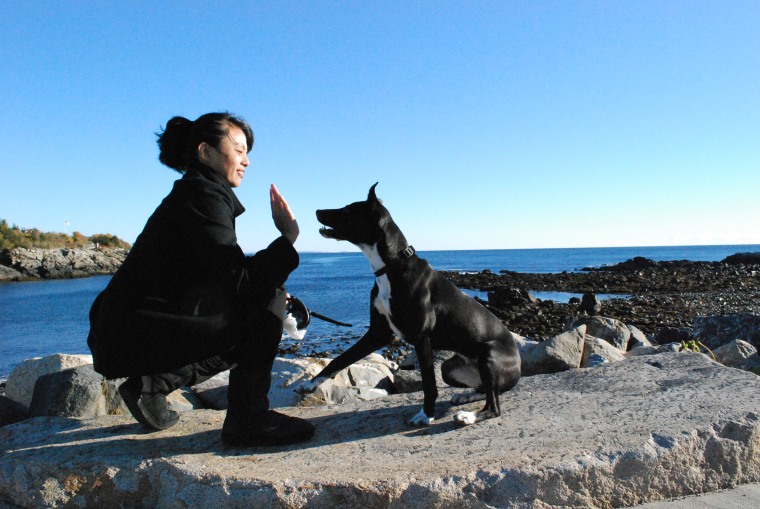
(13, 236)
(108, 240)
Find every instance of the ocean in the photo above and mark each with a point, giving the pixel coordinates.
(45, 317)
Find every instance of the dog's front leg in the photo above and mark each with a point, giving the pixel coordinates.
(376, 337)
(426, 416)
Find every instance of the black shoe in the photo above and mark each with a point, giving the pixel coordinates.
(267, 429)
(148, 407)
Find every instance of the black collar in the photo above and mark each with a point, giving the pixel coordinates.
(408, 252)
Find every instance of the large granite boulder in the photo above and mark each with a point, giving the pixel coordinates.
(20, 384)
(645, 429)
(76, 392)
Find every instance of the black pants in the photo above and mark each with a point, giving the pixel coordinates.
(128, 340)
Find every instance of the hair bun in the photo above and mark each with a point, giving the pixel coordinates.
(172, 143)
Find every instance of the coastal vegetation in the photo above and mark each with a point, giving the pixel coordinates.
(12, 236)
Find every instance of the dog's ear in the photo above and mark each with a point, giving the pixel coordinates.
(372, 197)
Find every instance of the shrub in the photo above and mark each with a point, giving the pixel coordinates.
(12, 237)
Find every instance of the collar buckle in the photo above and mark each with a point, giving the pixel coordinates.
(408, 252)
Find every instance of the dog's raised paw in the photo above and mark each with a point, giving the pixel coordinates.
(307, 386)
(465, 417)
(421, 419)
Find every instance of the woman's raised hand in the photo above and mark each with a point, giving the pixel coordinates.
(283, 217)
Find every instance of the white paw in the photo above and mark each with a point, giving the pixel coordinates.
(290, 326)
(465, 417)
(421, 419)
(307, 386)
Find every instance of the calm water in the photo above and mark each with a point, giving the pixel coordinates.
(46, 317)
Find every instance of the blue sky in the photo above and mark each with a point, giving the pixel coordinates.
(488, 124)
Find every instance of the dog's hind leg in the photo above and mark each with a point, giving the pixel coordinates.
(490, 394)
(499, 368)
(459, 371)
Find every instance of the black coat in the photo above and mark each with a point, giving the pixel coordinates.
(186, 291)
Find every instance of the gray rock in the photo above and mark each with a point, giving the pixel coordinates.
(613, 331)
(600, 349)
(184, 400)
(590, 304)
(736, 354)
(11, 411)
(559, 443)
(9, 274)
(643, 350)
(213, 392)
(638, 338)
(20, 384)
(76, 392)
(407, 380)
(510, 297)
(373, 372)
(743, 258)
(560, 353)
(409, 370)
(335, 394)
(673, 335)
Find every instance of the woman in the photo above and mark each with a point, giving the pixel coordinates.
(188, 304)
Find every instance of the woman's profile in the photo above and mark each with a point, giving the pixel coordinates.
(188, 303)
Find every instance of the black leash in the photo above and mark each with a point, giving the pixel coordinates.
(303, 315)
(327, 319)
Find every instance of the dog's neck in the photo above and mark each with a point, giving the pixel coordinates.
(379, 266)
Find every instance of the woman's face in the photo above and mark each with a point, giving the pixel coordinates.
(230, 159)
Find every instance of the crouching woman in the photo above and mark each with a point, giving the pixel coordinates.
(187, 303)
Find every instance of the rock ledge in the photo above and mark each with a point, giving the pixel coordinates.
(22, 264)
(645, 429)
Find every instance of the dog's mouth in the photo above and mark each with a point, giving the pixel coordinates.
(326, 232)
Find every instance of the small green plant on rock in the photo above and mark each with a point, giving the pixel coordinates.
(695, 346)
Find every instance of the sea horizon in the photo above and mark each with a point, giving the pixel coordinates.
(643, 246)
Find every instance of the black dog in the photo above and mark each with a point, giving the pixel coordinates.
(414, 302)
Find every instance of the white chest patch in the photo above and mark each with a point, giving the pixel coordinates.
(383, 300)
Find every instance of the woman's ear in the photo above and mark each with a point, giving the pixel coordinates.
(204, 153)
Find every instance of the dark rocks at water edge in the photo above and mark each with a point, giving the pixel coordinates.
(660, 298)
(22, 264)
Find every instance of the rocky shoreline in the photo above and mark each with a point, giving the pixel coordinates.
(21, 264)
(663, 297)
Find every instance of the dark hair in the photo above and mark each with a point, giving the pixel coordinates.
(178, 142)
